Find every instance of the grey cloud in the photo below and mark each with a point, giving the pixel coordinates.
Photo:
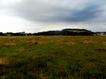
(58, 10)
(86, 14)
(43, 12)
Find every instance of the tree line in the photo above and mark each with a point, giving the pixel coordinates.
(74, 32)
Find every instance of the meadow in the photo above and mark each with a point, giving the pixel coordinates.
(53, 57)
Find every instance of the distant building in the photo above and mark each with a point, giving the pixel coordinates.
(101, 33)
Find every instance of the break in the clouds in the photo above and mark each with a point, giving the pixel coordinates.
(36, 14)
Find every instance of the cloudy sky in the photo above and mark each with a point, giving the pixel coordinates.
(42, 15)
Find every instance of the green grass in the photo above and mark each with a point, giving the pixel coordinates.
(53, 57)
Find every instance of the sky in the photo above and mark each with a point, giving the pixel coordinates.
(43, 15)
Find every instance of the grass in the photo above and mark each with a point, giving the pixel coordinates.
(53, 57)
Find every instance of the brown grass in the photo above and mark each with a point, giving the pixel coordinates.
(71, 43)
(87, 42)
(4, 60)
(104, 43)
(8, 44)
(39, 43)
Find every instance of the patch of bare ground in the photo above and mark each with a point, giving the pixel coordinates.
(4, 61)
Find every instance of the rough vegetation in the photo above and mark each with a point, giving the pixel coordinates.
(56, 57)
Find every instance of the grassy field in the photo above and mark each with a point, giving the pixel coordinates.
(53, 57)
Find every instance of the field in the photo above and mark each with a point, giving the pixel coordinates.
(53, 57)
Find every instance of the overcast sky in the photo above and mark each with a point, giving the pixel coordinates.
(42, 15)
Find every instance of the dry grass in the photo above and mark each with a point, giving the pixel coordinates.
(71, 43)
(4, 61)
(53, 57)
(39, 43)
(8, 44)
